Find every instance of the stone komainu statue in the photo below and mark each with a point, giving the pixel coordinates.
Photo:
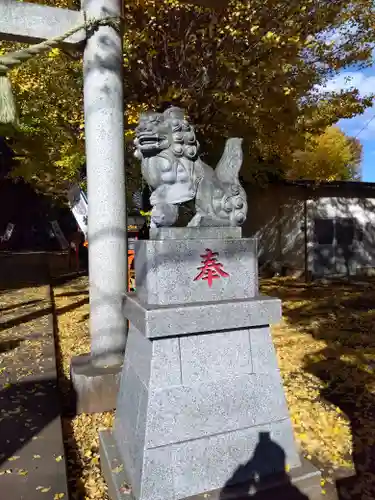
(169, 151)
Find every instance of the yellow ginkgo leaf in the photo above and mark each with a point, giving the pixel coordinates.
(54, 53)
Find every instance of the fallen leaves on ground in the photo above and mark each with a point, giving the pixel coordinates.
(27, 393)
(81, 432)
(326, 351)
(23, 313)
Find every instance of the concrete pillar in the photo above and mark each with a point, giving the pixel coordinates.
(104, 129)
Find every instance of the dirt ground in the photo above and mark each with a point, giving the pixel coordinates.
(326, 350)
(32, 463)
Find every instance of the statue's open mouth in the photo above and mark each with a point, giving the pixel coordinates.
(154, 141)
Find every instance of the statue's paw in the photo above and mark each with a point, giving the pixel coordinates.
(239, 218)
(238, 202)
(239, 210)
(235, 207)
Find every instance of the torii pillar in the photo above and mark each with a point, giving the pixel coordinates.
(95, 374)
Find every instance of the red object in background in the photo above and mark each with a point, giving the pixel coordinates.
(133, 235)
(211, 269)
(131, 271)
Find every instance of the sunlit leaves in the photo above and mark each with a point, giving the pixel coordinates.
(243, 71)
(247, 70)
(328, 156)
(48, 89)
(326, 354)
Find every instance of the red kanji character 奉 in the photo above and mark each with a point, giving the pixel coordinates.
(211, 269)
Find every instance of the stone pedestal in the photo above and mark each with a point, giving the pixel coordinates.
(201, 405)
(95, 388)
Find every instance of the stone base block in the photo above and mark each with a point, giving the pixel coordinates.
(186, 319)
(190, 271)
(301, 483)
(195, 233)
(95, 388)
(191, 409)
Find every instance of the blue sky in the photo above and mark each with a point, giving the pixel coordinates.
(360, 126)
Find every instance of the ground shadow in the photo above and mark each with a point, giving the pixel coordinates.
(18, 281)
(346, 388)
(26, 409)
(78, 293)
(263, 477)
(342, 315)
(30, 410)
(68, 400)
(31, 269)
(22, 270)
(21, 304)
(8, 345)
(67, 277)
(25, 318)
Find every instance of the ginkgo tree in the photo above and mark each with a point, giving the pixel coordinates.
(249, 70)
(331, 155)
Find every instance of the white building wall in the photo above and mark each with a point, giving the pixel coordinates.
(361, 210)
(293, 235)
(277, 216)
(276, 220)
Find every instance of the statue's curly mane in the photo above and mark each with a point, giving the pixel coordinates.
(183, 139)
(180, 139)
(168, 148)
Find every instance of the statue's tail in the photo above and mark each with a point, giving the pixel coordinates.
(229, 166)
(227, 172)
